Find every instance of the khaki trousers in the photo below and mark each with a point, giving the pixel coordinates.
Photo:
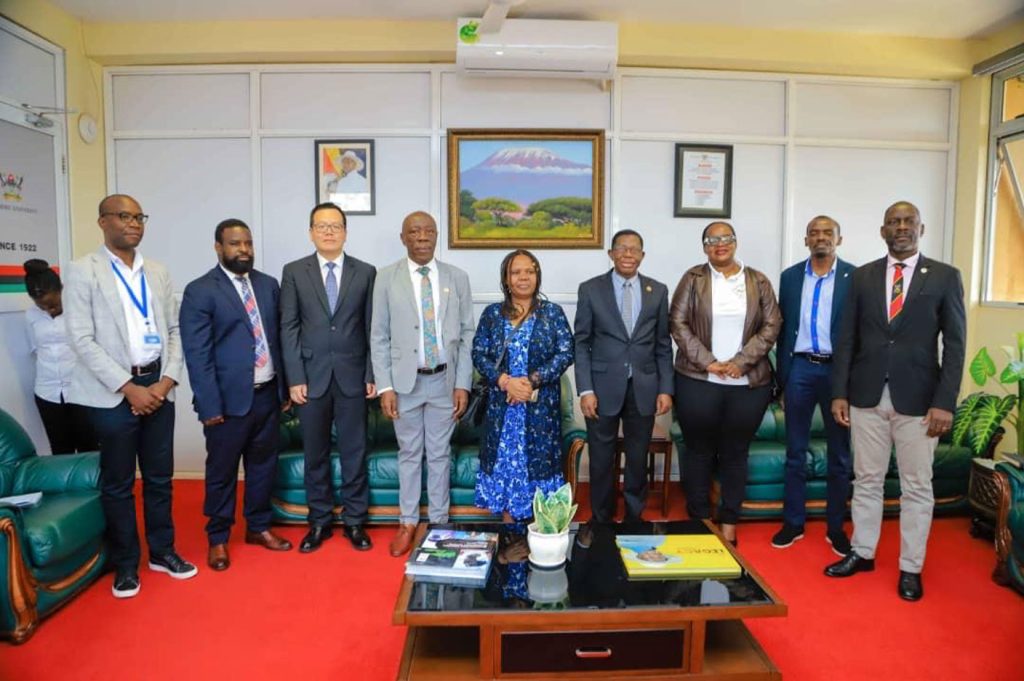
(874, 432)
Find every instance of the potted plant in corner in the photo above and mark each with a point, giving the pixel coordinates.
(548, 534)
(980, 416)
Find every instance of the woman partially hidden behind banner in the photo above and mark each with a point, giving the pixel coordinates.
(67, 425)
(521, 348)
(724, 318)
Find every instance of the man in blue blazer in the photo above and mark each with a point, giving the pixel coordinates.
(232, 349)
(811, 296)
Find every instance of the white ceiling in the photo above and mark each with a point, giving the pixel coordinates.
(918, 18)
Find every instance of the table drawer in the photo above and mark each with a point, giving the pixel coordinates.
(585, 651)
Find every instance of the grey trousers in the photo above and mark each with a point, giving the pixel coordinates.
(424, 429)
(874, 432)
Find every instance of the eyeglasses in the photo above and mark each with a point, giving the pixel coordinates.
(328, 227)
(627, 250)
(129, 217)
(719, 240)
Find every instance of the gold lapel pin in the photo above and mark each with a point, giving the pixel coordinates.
(923, 270)
(446, 290)
(648, 288)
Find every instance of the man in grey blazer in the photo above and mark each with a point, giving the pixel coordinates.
(122, 321)
(326, 302)
(623, 372)
(422, 336)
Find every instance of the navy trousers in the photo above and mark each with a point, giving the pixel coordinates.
(253, 439)
(808, 386)
(123, 438)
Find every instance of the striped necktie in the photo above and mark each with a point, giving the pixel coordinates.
(896, 300)
(431, 352)
(262, 354)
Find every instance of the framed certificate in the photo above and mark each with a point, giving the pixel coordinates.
(703, 186)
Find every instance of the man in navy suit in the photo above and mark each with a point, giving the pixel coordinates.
(232, 349)
(623, 372)
(811, 296)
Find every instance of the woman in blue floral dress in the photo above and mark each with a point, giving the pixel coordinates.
(522, 346)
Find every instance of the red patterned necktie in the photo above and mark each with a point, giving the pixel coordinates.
(262, 354)
(896, 300)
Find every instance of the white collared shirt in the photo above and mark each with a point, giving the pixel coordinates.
(339, 261)
(140, 352)
(908, 273)
(417, 288)
(728, 315)
(266, 372)
(55, 360)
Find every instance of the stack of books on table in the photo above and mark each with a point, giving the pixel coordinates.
(676, 556)
(456, 557)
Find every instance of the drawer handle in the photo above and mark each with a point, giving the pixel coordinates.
(593, 653)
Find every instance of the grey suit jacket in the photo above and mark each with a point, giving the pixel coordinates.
(395, 332)
(316, 342)
(604, 350)
(98, 330)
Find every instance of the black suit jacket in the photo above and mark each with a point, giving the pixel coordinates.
(603, 348)
(317, 343)
(870, 350)
(216, 335)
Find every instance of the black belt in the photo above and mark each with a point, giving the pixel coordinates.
(436, 370)
(151, 368)
(260, 386)
(814, 358)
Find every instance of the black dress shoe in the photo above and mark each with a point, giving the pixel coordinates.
(910, 586)
(314, 538)
(850, 566)
(357, 535)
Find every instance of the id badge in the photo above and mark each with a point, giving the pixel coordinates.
(151, 339)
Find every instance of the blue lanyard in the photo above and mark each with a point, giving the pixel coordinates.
(142, 307)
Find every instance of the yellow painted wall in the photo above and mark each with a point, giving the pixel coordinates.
(84, 93)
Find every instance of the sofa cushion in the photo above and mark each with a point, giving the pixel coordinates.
(61, 525)
(15, 444)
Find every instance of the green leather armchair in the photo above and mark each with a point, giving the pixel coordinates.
(50, 552)
(288, 499)
(1010, 527)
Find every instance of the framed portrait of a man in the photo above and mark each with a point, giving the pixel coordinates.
(345, 175)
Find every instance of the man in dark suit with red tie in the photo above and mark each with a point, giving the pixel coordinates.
(227, 315)
(890, 388)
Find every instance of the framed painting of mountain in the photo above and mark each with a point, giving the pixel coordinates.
(525, 188)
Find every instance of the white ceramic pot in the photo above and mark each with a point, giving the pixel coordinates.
(547, 550)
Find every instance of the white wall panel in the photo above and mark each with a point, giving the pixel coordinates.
(878, 112)
(181, 101)
(27, 73)
(522, 103)
(333, 101)
(186, 187)
(403, 186)
(703, 105)
(855, 186)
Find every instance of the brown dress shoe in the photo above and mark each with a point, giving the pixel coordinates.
(218, 558)
(403, 540)
(268, 540)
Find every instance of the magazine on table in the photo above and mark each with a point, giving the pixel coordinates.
(455, 557)
(676, 556)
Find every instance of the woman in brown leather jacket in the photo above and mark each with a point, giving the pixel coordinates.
(724, 318)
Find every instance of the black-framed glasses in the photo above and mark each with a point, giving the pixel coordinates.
(129, 217)
(719, 240)
(327, 227)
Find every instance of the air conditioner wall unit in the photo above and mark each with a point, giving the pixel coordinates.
(536, 48)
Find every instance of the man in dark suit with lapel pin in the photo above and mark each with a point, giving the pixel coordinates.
(811, 295)
(228, 314)
(623, 372)
(326, 306)
(890, 389)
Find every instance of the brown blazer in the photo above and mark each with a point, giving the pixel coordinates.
(690, 323)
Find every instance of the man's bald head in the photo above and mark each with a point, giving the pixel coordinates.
(419, 235)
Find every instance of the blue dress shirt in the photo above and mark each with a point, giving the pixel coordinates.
(815, 334)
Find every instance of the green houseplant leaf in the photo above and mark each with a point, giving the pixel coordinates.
(1013, 372)
(988, 416)
(982, 367)
(552, 512)
(963, 417)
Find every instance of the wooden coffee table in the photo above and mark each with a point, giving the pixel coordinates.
(604, 626)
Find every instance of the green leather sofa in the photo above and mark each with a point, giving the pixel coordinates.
(50, 552)
(289, 494)
(767, 467)
(1010, 527)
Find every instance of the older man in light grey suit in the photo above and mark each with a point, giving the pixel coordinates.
(421, 337)
(122, 321)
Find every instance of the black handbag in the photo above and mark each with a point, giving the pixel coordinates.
(476, 407)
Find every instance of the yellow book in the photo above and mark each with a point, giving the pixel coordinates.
(673, 556)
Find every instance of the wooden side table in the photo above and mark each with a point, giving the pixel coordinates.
(661, 443)
(983, 496)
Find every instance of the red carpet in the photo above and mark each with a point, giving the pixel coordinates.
(328, 615)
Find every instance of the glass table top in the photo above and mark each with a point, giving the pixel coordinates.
(592, 577)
